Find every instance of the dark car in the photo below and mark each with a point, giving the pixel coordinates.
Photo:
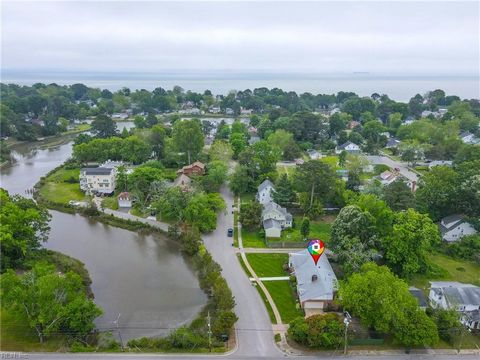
(230, 232)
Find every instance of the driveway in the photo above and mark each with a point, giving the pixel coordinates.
(404, 170)
(254, 329)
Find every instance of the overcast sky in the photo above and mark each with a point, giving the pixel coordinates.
(321, 37)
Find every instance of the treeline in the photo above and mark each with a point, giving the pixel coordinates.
(45, 291)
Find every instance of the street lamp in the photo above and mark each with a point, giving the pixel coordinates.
(346, 321)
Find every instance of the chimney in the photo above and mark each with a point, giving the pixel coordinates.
(414, 185)
(314, 278)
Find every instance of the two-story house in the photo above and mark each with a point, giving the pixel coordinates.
(100, 180)
(349, 147)
(464, 298)
(197, 168)
(454, 227)
(265, 192)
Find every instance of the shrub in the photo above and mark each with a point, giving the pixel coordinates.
(318, 331)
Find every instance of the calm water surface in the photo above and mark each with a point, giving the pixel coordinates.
(143, 278)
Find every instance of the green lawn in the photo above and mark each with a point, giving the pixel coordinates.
(284, 299)
(289, 170)
(268, 264)
(252, 239)
(17, 336)
(78, 128)
(332, 161)
(57, 190)
(454, 270)
(110, 203)
(319, 229)
(245, 198)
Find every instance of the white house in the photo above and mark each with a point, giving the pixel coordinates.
(265, 192)
(273, 211)
(434, 163)
(454, 227)
(99, 180)
(124, 200)
(313, 154)
(469, 138)
(464, 298)
(316, 284)
(349, 147)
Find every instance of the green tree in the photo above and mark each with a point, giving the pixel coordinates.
(448, 323)
(283, 193)
(384, 303)
(51, 302)
(437, 192)
(215, 176)
(220, 151)
(317, 179)
(398, 196)
(238, 142)
(305, 228)
(135, 150)
(312, 210)
(318, 331)
(380, 215)
(407, 249)
(201, 211)
(23, 225)
(139, 122)
(157, 141)
(251, 215)
(260, 159)
(188, 137)
(103, 126)
(172, 203)
(240, 182)
(353, 181)
(342, 158)
(223, 323)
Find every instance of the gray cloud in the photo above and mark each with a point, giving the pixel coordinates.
(381, 37)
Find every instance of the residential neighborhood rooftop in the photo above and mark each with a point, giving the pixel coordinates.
(457, 293)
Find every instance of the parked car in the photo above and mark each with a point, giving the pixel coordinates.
(230, 232)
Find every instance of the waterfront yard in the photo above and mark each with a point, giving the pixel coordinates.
(62, 186)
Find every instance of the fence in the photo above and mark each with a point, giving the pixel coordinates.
(365, 342)
(285, 244)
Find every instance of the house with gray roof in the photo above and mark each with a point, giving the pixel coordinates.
(419, 296)
(265, 192)
(392, 143)
(316, 284)
(454, 227)
(434, 163)
(99, 180)
(274, 211)
(273, 228)
(464, 298)
(349, 147)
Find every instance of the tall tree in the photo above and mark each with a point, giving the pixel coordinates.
(283, 193)
(23, 225)
(398, 196)
(317, 179)
(251, 215)
(103, 126)
(51, 302)
(407, 249)
(188, 137)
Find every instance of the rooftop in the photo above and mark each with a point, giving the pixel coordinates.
(457, 293)
(314, 282)
(96, 171)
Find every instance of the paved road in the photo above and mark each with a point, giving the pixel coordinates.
(91, 356)
(255, 335)
(410, 175)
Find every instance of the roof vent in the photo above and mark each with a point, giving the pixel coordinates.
(314, 277)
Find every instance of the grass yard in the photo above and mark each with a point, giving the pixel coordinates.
(284, 299)
(246, 198)
(268, 264)
(319, 229)
(252, 239)
(17, 336)
(110, 203)
(78, 128)
(289, 170)
(454, 270)
(332, 161)
(57, 190)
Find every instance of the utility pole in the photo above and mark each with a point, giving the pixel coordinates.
(346, 321)
(209, 333)
(119, 333)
